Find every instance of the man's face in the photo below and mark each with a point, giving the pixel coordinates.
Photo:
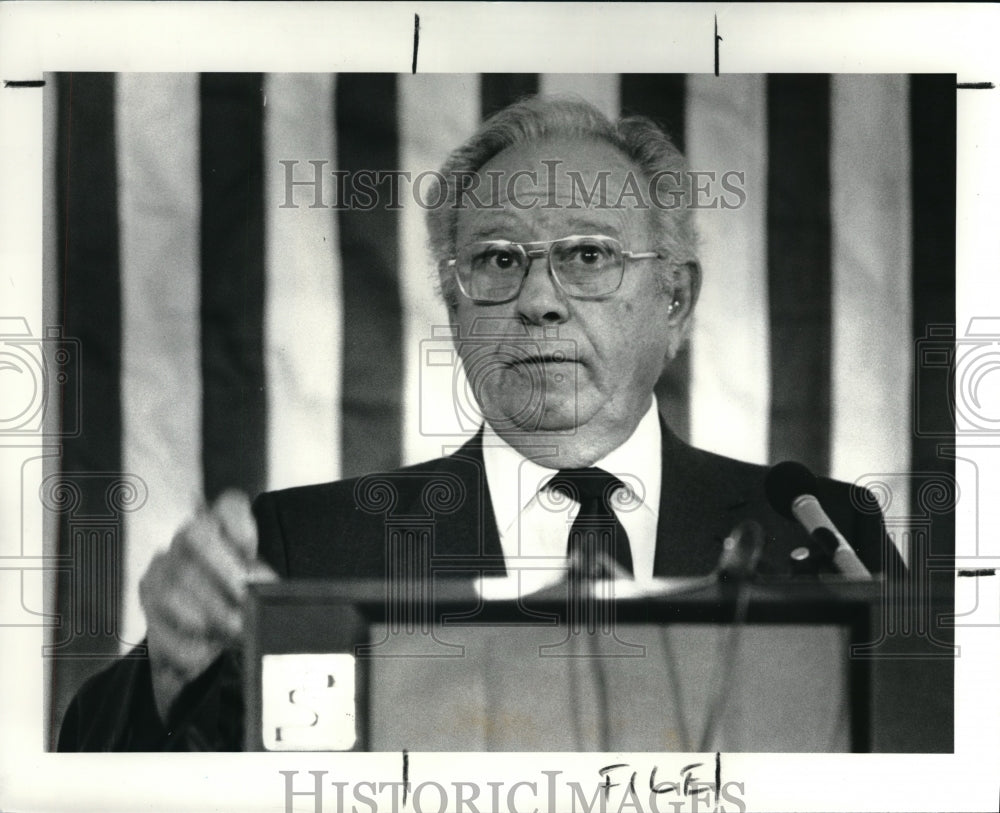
(615, 346)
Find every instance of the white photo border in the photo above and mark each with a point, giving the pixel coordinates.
(36, 38)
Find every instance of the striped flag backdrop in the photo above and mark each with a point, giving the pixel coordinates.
(230, 340)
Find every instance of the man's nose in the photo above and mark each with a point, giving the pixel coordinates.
(541, 301)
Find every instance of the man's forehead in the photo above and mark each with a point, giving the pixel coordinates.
(562, 159)
(501, 225)
(584, 186)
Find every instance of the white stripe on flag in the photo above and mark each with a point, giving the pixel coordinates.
(157, 137)
(872, 297)
(600, 89)
(730, 370)
(436, 113)
(303, 310)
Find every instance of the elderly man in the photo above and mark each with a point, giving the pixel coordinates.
(570, 276)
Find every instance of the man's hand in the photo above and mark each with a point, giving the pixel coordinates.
(192, 594)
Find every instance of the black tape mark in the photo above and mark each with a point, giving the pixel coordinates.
(416, 39)
(980, 571)
(975, 85)
(24, 83)
(406, 774)
(718, 39)
(718, 774)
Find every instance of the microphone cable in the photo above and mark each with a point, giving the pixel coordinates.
(603, 697)
(740, 553)
(583, 590)
(670, 662)
(574, 697)
(727, 650)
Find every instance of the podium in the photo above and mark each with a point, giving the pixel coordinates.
(677, 665)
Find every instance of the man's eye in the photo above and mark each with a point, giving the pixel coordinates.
(587, 254)
(503, 260)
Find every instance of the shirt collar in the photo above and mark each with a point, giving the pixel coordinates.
(514, 480)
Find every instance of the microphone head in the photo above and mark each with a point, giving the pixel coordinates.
(785, 483)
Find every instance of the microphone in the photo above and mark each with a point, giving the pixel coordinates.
(741, 551)
(791, 489)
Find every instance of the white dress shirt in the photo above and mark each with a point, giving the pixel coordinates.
(534, 522)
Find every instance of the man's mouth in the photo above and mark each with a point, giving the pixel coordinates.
(536, 359)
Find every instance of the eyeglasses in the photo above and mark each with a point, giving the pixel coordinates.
(585, 267)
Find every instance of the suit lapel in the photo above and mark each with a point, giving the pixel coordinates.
(699, 504)
(467, 536)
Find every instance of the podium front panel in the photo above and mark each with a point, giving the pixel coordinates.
(334, 666)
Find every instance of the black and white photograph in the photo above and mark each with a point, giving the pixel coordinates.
(561, 433)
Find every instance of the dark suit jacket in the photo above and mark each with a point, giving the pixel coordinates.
(349, 529)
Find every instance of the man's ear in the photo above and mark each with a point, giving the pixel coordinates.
(686, 288)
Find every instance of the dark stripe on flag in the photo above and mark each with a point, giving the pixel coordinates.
(799, 268)
(368, 139)
(497, 90)
(232, 283)
(933, 129)
(90, 530)
(659, 96)
(662, 97)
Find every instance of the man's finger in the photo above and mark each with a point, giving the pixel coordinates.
(232, 511)
(191, 603)
(261, 571)
(202, 543)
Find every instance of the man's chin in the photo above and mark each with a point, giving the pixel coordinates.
(561, 418)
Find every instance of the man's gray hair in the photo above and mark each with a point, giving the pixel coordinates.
(537, 119)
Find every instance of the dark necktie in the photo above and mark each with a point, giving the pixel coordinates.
(597, 538)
